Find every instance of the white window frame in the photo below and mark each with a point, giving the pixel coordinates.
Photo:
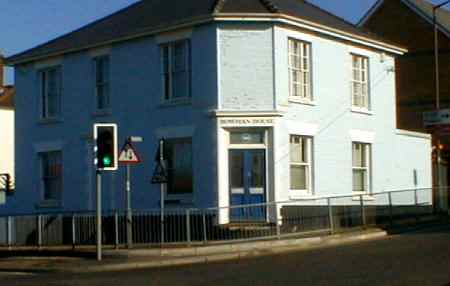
(363, 72)
(309, 164)
(168, 95)
(43, 93)
(306, 91)
(50, 202)
(368, 167)
(105, 82)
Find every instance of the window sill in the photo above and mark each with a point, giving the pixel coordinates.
(361, 110)
(366, 197)
(302, 101)
(49, 204)
(300, 194)
(44, 121)
(102, 112)
(184, 199)
(176, 102)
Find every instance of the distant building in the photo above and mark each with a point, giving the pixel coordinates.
(410, 23)
(6, 129)
(259, 101)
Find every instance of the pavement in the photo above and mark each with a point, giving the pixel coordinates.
(143, 258)
(418, 257)
(82, 259)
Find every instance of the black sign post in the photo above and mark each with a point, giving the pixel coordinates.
(160, 176)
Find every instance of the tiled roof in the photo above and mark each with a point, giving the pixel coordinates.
(7, 97)
(149, 15)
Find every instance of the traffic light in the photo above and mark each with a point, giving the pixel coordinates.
(105, 136)
(6, 183)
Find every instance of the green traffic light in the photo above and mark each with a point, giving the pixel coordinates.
(106, 161)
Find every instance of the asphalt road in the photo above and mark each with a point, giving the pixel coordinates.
(420, 258)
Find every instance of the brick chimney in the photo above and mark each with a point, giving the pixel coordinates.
(2, 68)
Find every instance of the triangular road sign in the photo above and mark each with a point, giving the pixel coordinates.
(160, 175)
(128, 155)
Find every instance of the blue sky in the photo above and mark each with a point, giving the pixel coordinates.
(27, 23)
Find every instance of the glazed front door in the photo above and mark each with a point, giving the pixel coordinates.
(247, 184)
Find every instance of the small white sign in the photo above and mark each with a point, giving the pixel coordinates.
(437, 117)
(128, 155)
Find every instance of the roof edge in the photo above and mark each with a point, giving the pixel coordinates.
(11, 61)
(322, 28)
(73, 31)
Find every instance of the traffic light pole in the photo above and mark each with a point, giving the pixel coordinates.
(99, 215)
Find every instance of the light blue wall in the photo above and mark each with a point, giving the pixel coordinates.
(244, 59)
(135, 85)
(246, 70)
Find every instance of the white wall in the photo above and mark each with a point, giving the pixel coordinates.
(7, 141)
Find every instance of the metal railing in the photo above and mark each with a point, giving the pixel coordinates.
(273, 220)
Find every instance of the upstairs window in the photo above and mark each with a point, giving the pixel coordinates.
(300, 70)
(361, 167)
(51, 175)
(50, 93)
(176, 67)
(102, 90)
(360, 82)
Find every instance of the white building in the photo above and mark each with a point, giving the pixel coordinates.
(259, 101)
(6, 131)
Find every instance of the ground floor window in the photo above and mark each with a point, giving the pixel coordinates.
(361, 167)
(179, 154)
(51, 175)
(300, 163)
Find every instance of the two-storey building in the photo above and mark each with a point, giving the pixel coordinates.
(258, 101)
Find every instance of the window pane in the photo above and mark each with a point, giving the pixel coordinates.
(358, 155)
(257, 168)
(51, 175)
(359, 180)
(299, 149)
(299, 177)
(237, 170)
(180, 166)
(53, 92)
(247, 138)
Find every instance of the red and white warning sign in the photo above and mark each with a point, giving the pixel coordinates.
(128, 155)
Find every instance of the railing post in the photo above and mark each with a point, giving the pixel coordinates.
(116, 229)
(188, 227)
(363, 211)
(278, 222)
(9, 232)
(416, 204)
(205, 238)
(73, 232)
(330, 215)
(39, 231)
(391, 221)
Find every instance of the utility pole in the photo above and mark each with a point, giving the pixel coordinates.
(437, 103)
